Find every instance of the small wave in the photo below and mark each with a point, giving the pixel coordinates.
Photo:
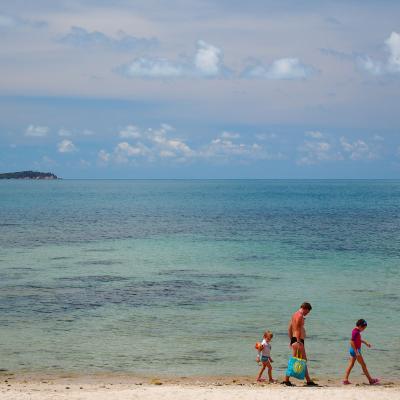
(98, 250)
(94, 278)
(252, 258)
(191, 273)
(100, 262)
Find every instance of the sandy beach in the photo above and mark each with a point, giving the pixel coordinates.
(120, 387)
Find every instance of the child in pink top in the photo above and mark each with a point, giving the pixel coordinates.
(355, 353)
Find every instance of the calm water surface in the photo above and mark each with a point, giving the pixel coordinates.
(184, 276)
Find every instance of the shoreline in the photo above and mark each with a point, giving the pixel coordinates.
(122, 386)
(120, 378)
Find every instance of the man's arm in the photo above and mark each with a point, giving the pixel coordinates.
(366, 343)
(290, 330)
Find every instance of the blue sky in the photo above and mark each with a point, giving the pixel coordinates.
(200, 89)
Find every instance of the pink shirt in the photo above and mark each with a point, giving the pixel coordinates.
(356, 337)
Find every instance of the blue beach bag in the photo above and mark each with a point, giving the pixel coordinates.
(296, 367)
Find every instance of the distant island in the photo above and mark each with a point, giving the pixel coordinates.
(28, 175)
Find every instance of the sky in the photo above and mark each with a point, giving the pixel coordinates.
(192, 89)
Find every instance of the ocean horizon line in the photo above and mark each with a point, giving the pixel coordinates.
(217, 179)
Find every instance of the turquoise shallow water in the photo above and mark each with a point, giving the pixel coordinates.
(182, 277)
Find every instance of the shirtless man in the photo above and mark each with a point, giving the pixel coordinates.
(297, 334)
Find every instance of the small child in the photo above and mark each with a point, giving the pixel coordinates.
(355, 353)
(265, 357)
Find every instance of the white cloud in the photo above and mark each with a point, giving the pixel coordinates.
(221, 147)
(206, 63)
(321, 150)
(178, 145)
(124, 151)
(127, 149)
(358, 150)
(372, 67)
(288, 68)
(393, 45)
(153, 68)
(103, 156)
(225, 148)
(314, 134)
(130, 131)
(167, 154)
(66, 146)
(153, 144)
(390, 65)
(159, 144)
(230, 135)
(168, 147)
(281, 69)
(167, 127)
(36, 131)
(207, 59)
(314, 152)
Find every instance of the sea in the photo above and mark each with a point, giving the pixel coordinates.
(182, 277)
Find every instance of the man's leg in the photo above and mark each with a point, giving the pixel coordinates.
(304, 357)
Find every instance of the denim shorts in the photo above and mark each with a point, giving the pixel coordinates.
(264, 358)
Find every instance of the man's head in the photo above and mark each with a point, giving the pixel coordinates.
(361, 324)
(306, 307)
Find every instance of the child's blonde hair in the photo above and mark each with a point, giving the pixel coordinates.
(268, 334)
